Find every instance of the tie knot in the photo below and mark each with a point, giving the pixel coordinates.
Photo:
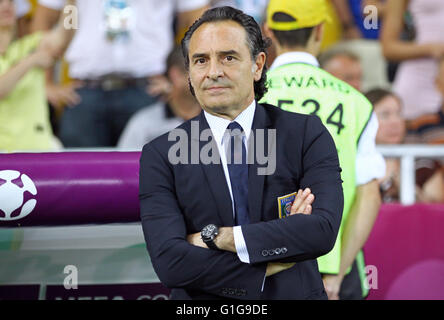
(235, 128)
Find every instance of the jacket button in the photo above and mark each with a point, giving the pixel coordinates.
(239, 292)
(271, 252)
(278, 250)
(284, 250)
(264, 253)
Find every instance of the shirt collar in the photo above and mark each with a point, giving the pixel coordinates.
(295, 57)
(219, 125)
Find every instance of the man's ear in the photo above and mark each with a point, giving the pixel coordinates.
(319, 32)
(258, 66)
(191, 87)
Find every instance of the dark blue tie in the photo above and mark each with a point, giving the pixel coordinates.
(238, 170)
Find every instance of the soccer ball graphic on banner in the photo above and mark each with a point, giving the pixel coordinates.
(12, 195)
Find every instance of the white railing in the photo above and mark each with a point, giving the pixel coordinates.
(408, 154)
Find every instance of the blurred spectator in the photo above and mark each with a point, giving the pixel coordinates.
(153, 121)
(414, 81)
(429, 174)
(333, 30)
(369, 67)
(388, 109)
(340, 17)
(356, 20)
(117, 53)
(343, 65)
(360, 10)
(24, 118)
(24, 11)
(350, 29)
(22, 8)
(360, 44)
(429, 128)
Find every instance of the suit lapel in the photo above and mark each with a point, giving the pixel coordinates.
(215, 175)
(216, 181)
(256, 181)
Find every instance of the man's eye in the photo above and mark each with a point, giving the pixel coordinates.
(229, 58)
(200, 61)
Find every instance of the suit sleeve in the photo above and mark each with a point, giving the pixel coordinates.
(177, 263)
(305, 237)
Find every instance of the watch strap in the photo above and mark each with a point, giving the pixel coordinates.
(210, 244)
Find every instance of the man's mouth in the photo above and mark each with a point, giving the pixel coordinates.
(216, 89)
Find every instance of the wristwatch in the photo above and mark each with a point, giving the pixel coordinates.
(208, 234)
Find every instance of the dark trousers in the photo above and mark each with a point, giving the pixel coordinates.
(351, 287)
(101, 116)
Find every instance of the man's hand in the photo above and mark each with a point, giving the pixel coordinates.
(159, 86)
(63, 95)
(41, 58)
(196, 240)
(225, 240)
(332, 285)
(352, 33)
(276, 267)
(302, 203)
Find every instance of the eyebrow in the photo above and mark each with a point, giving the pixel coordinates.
(229, 52)
(224, 53)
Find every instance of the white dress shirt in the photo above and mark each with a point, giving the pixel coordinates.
(218, 128)
(90, 55)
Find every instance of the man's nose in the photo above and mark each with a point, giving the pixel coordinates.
(215, 70)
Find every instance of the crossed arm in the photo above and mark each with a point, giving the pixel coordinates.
(306, 236)
(396, 49)
(225, 240)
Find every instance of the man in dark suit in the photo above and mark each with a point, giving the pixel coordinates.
(208, 194)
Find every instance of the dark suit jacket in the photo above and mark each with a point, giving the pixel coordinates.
(177, 200)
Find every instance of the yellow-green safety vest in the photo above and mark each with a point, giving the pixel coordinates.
(304, 88)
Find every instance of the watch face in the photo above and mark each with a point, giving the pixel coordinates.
(209, 231)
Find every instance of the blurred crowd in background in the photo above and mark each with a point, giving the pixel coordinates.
(119, 79)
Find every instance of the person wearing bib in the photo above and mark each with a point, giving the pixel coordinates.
(296, 83)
